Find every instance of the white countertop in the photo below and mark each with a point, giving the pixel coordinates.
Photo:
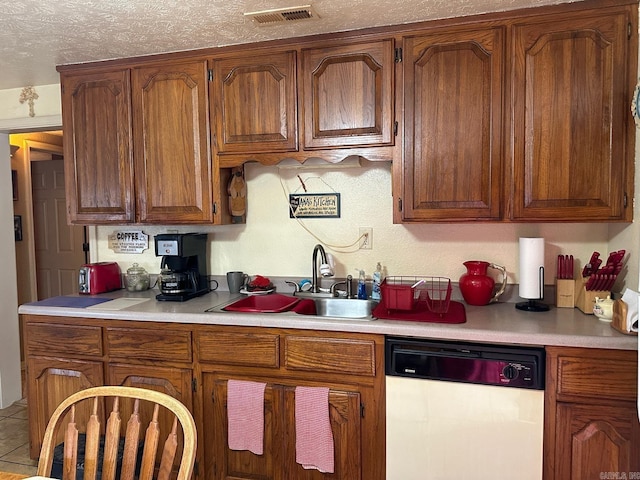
(495, 323)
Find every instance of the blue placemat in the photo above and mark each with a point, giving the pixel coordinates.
(67, 301)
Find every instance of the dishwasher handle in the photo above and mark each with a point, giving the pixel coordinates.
(437, 353)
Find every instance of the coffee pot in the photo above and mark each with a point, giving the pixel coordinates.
(477, 287)
(173, 283)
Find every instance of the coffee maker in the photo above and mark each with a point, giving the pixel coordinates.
(183, 269)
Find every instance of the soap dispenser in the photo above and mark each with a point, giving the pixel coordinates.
(362, 288)
(377, 280)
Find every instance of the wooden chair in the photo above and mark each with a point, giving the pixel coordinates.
(93, 430)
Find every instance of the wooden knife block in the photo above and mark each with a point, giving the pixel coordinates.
(565, 293)
(586, 298)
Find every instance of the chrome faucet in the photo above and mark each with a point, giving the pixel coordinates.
(348, 284)
(324, 268)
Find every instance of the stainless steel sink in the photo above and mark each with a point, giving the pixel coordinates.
(343, 308)
(317, 306)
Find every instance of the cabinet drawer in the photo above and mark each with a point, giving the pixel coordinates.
(613, 376)
(250, 349)
(331, 355)
(70, 339)
(169, 345)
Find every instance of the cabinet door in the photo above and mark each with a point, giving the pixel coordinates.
(573, 157)
(254, 100)
(172, 156)
(344, 415)
(453, 95)
(592, 439)
(225, 464)
(347, 93)
(96, 118)
(51, 380)
(170, 380)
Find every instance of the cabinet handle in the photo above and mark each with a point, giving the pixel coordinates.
(398, 55)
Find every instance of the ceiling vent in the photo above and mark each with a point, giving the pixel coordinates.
(279, 15)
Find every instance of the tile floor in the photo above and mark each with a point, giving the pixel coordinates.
(14, 440)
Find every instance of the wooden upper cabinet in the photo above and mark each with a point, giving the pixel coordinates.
(96, 118)
(253, 100)
(347, 95)
(172, 155)
(573, 148)
(453, 154)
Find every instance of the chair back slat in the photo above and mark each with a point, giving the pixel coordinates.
(70, 452)
(111, 443)
(131, 439)
(151, 440)
(184, 438)
(92, 443)
(169, 453)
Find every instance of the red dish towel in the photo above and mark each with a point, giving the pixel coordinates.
(245, 414)
(314, 440)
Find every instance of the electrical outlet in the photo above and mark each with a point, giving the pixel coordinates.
(366, 238)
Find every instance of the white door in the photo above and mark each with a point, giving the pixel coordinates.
(58, 246)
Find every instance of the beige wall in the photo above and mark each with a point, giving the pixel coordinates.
(10, 389)
(14, 116)
(273, 244)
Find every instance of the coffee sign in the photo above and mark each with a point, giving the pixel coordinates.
(128, 241)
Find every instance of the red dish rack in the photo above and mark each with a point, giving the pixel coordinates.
(399, 293)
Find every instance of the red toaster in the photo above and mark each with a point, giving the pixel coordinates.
(99, 277)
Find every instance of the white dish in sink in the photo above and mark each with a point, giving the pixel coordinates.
(244, 291)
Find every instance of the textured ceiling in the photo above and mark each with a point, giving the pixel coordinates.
(37, 35)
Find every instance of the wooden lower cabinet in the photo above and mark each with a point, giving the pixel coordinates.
(229, 464)
(193, 363)
(350, 365)
(174, 381)
(345, 413)
(591, 421)
(51, 380)
(68, 355)
(279, 458)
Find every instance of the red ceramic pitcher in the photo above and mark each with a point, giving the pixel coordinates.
(477, 287)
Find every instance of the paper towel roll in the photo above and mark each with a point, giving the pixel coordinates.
(630, 297)
(531, 261)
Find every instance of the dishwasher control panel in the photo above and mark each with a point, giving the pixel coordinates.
(486, 364)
